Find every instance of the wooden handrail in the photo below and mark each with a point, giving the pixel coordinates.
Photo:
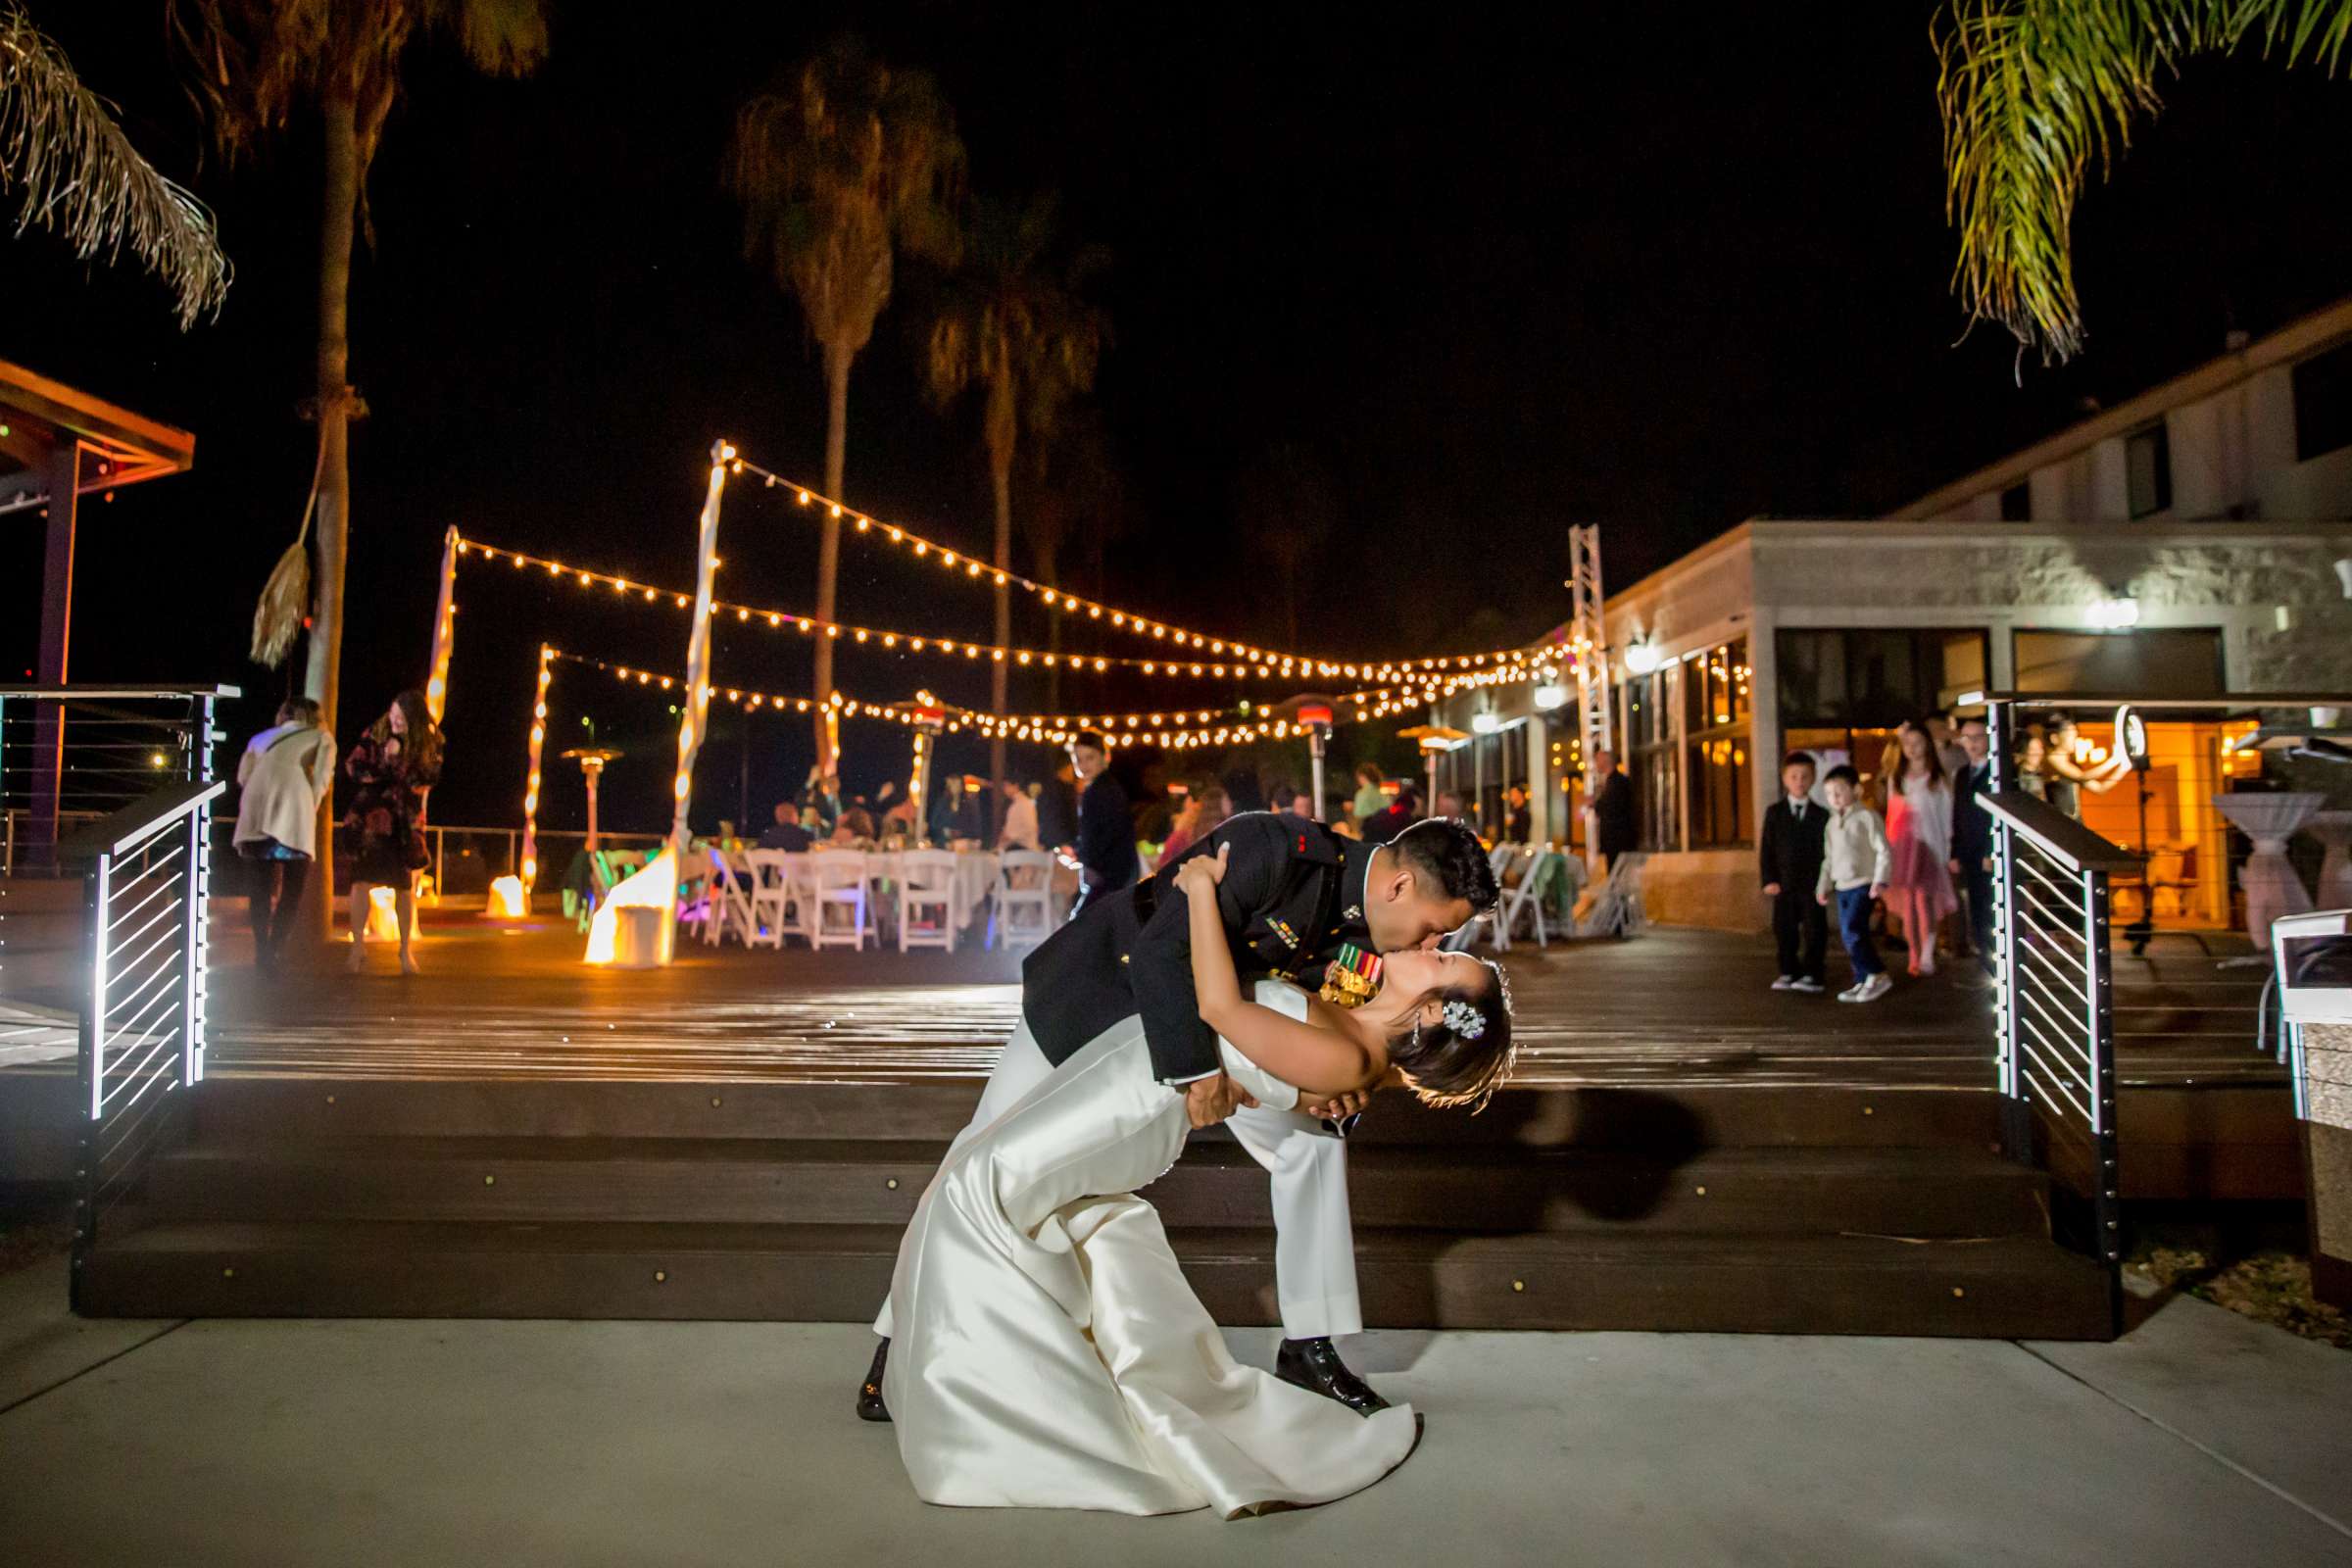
(2066, 840)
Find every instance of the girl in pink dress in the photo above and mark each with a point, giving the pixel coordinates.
(1919, 831)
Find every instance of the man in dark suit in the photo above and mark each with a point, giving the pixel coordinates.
(1106, 846)
(1789, 852)
(1971, 834)
(1611, 809)
(1294, 893)
(786, 832)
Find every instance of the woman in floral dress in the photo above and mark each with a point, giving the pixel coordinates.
(389, 771)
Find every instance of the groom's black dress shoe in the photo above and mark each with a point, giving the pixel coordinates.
(1315, 1365)
(869, 1393)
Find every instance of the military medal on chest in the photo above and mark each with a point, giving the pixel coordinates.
(1352, 978)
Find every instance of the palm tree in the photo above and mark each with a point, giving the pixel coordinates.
(81, 177)
(842, 162)
(1074, 492)
(1289, 509)
(254, 66)
(1015, 320)
(2031, 91)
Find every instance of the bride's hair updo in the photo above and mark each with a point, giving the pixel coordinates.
(1464, 1057)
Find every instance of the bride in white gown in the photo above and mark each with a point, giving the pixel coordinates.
(1050, 1353)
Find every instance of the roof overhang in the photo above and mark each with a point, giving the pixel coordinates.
(116, 446)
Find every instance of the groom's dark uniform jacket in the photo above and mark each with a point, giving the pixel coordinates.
(1293, 891)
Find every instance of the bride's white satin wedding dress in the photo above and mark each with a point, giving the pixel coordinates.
(1048, 1352)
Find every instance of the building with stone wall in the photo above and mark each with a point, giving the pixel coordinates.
(2194, 541)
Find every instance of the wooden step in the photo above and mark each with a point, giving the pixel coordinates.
(1667, 1123)
(2005, 1288)
(1908, 1191)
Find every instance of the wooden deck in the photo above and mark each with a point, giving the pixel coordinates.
(1670, 1008)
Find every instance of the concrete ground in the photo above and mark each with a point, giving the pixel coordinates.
(2202, 1437)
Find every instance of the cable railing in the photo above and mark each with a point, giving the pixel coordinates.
(69, 755)
(2055, 1012)
(147, 877)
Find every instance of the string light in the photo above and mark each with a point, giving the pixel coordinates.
(947, 647)
(1287, 663)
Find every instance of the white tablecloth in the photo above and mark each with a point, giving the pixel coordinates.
(976, 874)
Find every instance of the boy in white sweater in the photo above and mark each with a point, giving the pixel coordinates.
(1854, 866)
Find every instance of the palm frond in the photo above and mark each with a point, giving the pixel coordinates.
(2031, 91)
(81, 177)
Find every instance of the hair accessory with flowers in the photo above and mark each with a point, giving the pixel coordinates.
(1465, 1021)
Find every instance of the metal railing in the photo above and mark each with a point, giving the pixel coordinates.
(72, 754)
(2055, 1012)
(147, 876)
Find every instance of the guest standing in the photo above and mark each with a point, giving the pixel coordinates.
(1058, 809)
(1370, 799)
(1106, 858)
(1518, 816)
(1400, 813)
(820, 803)
(390, 770)
(283, 775)
(1610, 809)
(1201, 816)
(2067, 778)
(1972, 835)
(1020, 831)
(1854, 867)
(2032, 753)
(1788, 852)
(1918, 832)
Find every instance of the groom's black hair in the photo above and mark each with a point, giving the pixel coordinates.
(1094, 737)
(1445, 854)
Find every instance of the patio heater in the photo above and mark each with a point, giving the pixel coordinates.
(592, 761)
(1434, 741)
(930, 723)
(1316, 716)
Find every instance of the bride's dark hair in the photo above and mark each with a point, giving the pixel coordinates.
(1464, 1058)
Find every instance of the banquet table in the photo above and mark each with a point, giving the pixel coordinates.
(976, 874)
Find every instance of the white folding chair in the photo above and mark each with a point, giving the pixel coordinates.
(1524, 903)
(927, 900)
(727, 899)
(840, 888)
(765, 902)
(1024, 900)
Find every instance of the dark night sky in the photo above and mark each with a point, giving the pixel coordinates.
(1497, 272)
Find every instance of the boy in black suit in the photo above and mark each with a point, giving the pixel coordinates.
(1789, 850)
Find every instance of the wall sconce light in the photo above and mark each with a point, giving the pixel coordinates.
(1549, 697)
(1485, 724)
(1642, 658)
(2114, 614)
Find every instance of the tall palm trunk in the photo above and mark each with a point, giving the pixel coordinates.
(323, 680)
(1002, 430)
(838, 356)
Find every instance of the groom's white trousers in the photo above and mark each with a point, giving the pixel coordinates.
(1314, 1240)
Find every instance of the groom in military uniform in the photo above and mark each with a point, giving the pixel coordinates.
(1298, 900)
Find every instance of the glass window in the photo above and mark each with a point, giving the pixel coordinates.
(1873, 678)
(2148, 471)
(2186, 662)
(2323, 387)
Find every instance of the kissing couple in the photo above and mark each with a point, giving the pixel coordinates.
(1040, 1347)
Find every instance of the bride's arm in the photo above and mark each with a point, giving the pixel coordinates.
(1320, 1063)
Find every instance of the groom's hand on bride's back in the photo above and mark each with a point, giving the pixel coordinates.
(1211, 1100)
